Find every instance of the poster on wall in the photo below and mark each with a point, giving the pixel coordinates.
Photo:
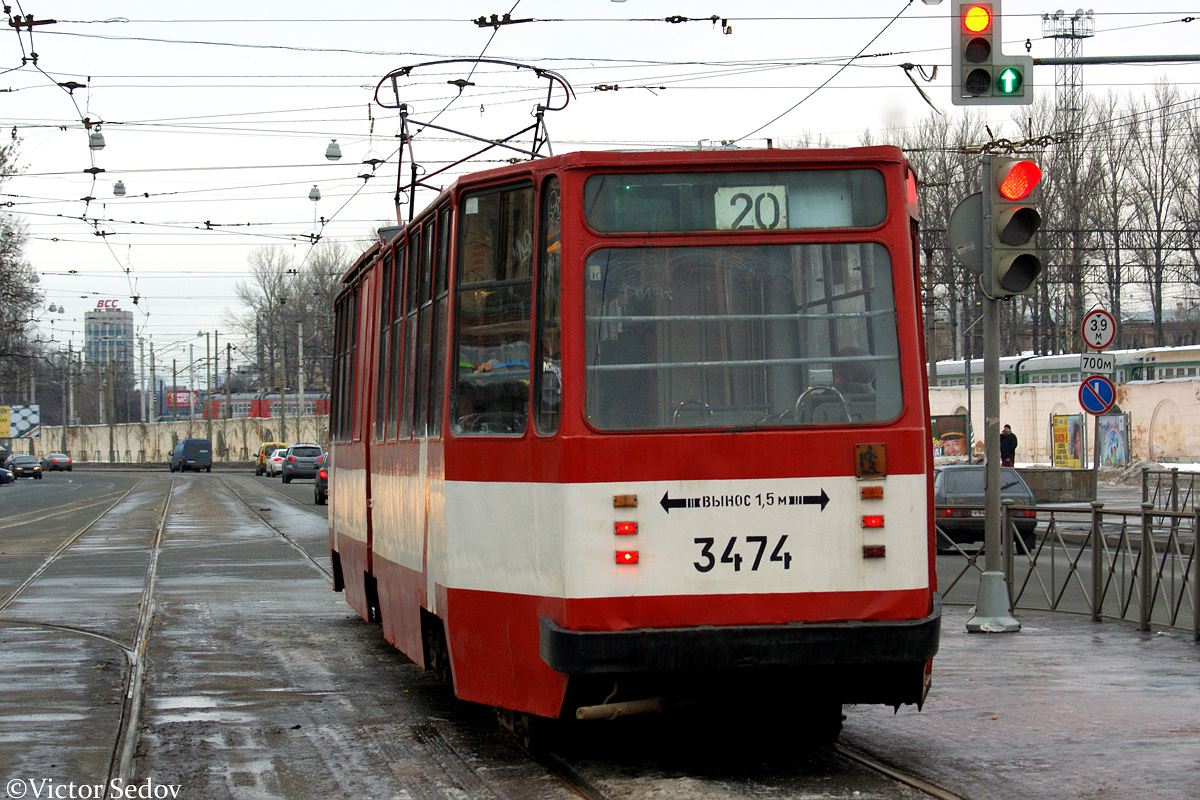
(20, 422)
(950, 435)
(1069, 438)
(1114, 440)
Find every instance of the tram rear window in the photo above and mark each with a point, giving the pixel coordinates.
(725, 201)
(741, 337)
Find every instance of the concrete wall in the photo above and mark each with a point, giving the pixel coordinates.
(233, 439)
(1164, 416)
(1057, 485)
(1164, 425)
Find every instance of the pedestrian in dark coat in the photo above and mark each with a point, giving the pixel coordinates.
(1008, 447)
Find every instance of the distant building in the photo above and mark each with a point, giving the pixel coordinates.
(108, 336)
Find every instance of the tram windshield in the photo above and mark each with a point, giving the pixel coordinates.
(741, 336)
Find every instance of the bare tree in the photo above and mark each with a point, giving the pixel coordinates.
(1156, 243)
(19, 296)
(1187, 211)
(284, 296)
(265, 298)
(1111, 142)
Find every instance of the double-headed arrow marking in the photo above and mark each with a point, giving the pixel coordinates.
(667, 503)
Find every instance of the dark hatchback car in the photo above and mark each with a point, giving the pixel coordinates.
(6, 476)
(25, 467)
(301, 461)
(321, 482)
(958, 499)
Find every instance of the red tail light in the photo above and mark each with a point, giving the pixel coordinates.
(953, 512)
(291, 458)
(324, 474)
(627, 556)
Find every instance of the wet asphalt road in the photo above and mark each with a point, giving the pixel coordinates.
(262, 683)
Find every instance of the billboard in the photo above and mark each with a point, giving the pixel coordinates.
(1070, 440)
(1114, 440)
(20, 422)
(950, 435)
(181, 399)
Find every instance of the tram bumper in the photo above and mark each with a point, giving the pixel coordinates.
(871, 661)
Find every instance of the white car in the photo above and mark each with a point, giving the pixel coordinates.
(274, 463)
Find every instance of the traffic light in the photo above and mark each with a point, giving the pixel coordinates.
(1011, 191)
(980, 72)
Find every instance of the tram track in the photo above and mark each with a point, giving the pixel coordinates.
(120, 763)
(63, 546)
(131, 709)
(263, 519)
(851, 753)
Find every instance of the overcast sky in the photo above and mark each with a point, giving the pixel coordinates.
(216, 116)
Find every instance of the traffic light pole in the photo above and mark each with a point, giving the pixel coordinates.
(993, 611)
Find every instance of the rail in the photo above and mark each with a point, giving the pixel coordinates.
(1134, 564)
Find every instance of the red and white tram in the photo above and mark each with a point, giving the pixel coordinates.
(614, 430)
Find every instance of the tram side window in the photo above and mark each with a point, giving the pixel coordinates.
(493, 312)
(410, 333)
(335, 402)
(424, 312)
(346, 347)
(395, 345)
(547, 389)
(381, 367)
(441, 305)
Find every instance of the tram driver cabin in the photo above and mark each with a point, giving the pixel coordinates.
(612, 431)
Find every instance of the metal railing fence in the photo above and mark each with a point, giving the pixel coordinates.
(1170, 489)
(1134, 564)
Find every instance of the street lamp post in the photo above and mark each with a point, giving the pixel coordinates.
(191, 387)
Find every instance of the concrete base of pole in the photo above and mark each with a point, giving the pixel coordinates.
(992, 611)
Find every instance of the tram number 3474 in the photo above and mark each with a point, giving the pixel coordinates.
(708, 558)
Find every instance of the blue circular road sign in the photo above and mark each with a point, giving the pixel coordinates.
(1097, 394)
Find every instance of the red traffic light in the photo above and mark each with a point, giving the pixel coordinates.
(977, 18)
(1021, 179)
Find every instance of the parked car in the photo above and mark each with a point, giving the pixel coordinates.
(275, 463)
(321, 482)
(6, 476)
(56, 461)
(266, 451)
(957, 485)
(301, 461)
(195, 454)
(25, 467)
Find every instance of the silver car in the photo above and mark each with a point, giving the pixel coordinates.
(301, 461)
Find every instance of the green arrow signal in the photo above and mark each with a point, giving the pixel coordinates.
(1010, 80)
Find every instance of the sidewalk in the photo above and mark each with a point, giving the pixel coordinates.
(1066, 708)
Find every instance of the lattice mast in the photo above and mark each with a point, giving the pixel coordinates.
(1069, 31)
